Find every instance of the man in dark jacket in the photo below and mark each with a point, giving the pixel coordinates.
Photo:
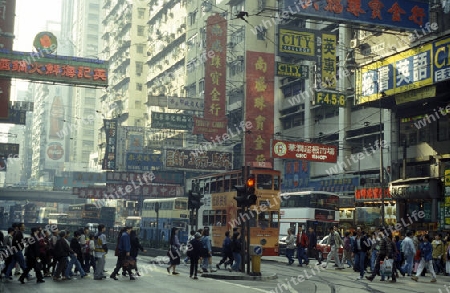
(194, 251)
(62, 251)
(124, 248)
(384, 253)
(227, 253)
(312, 242)
(33, 257)
(362, 245)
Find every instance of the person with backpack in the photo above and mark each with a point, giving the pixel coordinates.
(190, 238)
(386, 252)
(334, 240)
(426, 259)
(227, 253)
(101, 249)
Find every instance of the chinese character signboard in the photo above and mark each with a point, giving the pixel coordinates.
(168, 177)
(135, 142)
(399, 14)
(396, 74)
(297, 43)
(292, 70)
(109, 161)
(21, 105)
(207, 160)
(305, 151)
(327, 60)
(15, 117)
(53, 68)
(185, 103)
(7, 15)
(441, 57)
(215, 79)
(259, 106)
(9, 149)
(142, 162)
(171, 121)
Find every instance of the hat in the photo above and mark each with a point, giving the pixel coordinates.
(197, 235)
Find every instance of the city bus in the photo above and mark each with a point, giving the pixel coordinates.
(44, 212)
(173, 212)
(219, 211)
(80, 214)
(316, 209)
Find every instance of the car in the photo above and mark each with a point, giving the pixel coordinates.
(282, 245)
(324, 249)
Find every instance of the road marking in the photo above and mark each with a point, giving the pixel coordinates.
(243, 286)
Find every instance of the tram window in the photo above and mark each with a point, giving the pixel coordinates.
(274, 219)
(264, 181)
(226, 185)
(208, 218)
(263, 220)
(219, 184)
(276, 182)
(180, 205)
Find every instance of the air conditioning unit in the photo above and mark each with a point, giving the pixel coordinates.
(354, 43)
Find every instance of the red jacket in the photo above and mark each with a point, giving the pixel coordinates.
(303, 240)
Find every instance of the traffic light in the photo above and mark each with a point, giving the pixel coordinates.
(241, 197)
(246, 196)
(194, 200)
(251, 196)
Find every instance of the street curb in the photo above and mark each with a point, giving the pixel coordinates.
(240, 277)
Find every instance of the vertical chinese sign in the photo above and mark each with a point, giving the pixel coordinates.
(447, 196)
(259, 106)
(214, 121)
(327, 61)
(109, 161)
(7, 14)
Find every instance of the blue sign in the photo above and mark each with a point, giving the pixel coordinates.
(257, 250)
(296, 175)
(15, 117)
(398, 14)
(142, 162)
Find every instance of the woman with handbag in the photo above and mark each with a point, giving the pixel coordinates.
(135, 247)
(174, 251)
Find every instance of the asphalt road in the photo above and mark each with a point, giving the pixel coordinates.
(290, 279)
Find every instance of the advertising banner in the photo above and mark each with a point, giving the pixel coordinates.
(167, 177)
(18, 117)
(292, 70)
(304, 151)
(297, 42)
(142, 162)
(206, 160)
(109, 161)
(171, 121)
(259, 106)
(398, 14)
(182, 103)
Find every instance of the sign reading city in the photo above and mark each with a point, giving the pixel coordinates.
(399, 14)
(292, 70)
(304, 151)
(295, 42)
(330, 98)
(53, 68)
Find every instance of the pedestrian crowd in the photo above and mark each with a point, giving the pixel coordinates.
(57, 254)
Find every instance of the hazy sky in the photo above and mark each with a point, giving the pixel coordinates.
(31, 18)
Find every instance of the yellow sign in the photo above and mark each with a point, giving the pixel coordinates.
(416, 95)
(329, 98)
(328, 61)
(297, 43)
(409, 70)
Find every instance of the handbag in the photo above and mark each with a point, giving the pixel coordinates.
(387, 266)
(129, 262)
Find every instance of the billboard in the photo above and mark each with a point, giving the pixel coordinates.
(398, 14)
(176, 121)
(109, 161)
(15, 117)
(206, 160)
(409, 70)
(297, 42)
(142, 162)
(215, 78)
(53, 68)
(183, 103)
(312, 152)
(168, 177)
(9, 149)
(292, 70)
(259, 106)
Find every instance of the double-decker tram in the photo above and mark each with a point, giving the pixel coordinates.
(311, 209)
(220, 213)
(81, 214)
(172, 212)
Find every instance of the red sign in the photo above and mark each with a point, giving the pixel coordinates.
(215, 80)
(305, 151)
(371, 193)
(7, 15)
(259, 106)
(55, 151)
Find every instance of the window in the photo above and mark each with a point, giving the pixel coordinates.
(88, 132)
(140, 30)
(139, 68)
(237, 67)
(261, 35)
(201, 86)
(294, 120)
(293, 88)
(444, 129)
(141, 13)
(140, 49)
(88, 144)
(238, 36)
(264, 181)
(192, 17)
(139, 86)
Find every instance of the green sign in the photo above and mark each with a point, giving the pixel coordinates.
(51, 68)
(331, 98)
(292, 70)
(171, 121)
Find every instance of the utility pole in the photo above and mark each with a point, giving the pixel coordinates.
(381, 152)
